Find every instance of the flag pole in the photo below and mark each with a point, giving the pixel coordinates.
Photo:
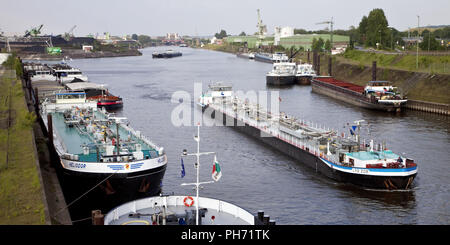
(197, 165)
(198, 170)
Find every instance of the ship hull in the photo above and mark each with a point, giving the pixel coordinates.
(263, 59)
(354, 98)
(303, 80)
(320, 165)
(110, 104)
(280, 80)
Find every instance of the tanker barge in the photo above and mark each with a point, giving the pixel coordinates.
(98, 149)
(376, 95)
(343, 159)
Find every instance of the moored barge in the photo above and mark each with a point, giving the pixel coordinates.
(97, 149)
(376, 95)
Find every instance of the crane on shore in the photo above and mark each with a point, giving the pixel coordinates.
(68, 35)
(34, 31)
(262, 29)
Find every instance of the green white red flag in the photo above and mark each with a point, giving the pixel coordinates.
(216, 172)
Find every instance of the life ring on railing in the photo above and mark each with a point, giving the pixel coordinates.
(188, 203)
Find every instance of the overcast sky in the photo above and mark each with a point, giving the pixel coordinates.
(206, 17)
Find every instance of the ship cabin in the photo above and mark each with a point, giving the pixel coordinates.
(220, 90)
(280, 57)
(374, 159)
(70, 97)
(380, 86)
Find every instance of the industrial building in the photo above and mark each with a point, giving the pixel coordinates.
(299, 40)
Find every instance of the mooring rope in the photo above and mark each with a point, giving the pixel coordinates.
(56, 214)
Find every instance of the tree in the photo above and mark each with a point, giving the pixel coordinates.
(377, 28)
(429, 42)
(242, 34)
(328, 45)
(221, 35)
(134, 37)
(362, 30)
(317, 44)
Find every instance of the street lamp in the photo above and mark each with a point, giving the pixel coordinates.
(417, 52)
(380, 37)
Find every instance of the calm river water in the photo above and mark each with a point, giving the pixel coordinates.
(254, 175)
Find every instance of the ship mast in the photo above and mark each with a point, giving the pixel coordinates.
(358, 137)
(197, 166)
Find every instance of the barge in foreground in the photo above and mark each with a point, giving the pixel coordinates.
(98, 149)
(376, 95)
(344, 159)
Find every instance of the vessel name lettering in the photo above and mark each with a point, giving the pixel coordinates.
(77, 165)
(360, 171)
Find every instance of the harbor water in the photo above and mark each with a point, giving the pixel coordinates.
(256, 177)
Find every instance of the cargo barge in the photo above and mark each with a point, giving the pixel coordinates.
(168, 54)
(282, 74)
(343, 159)
(98, 93)
(376, 95)
(100, 152)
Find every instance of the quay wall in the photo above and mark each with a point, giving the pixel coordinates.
(437, 108)
(55, 204)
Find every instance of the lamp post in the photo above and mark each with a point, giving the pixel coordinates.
(380, 38)
(417, 52)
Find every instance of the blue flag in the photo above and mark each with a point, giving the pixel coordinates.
(352, 130)
(183, 173)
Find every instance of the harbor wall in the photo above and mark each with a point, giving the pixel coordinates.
(55, 204)
(437, 108)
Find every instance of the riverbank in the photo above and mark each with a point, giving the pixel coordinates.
(21, 193)
(30, 192)
(423, 87)
(78, 54)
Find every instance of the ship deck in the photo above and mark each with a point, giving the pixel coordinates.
(74, 139)
(342, 84)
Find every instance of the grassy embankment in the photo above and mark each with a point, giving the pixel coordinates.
(427, 84)
(433, 84)
(427, 64)
(223, 48)
(21, 201)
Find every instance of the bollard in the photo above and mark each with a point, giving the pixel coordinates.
(308, 58)
(260, 215)
(374, 71)
(318, 65)
(97, 217)
(50, 129)
(266, 220)
(329, 65)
